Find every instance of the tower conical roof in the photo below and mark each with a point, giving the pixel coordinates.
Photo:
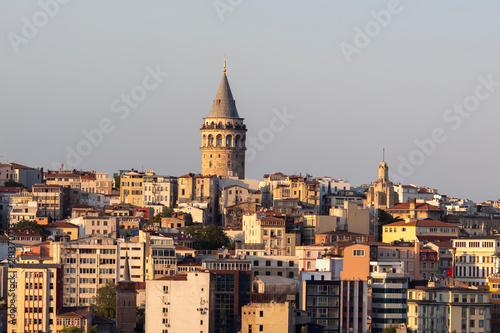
(224, 104)
(126, 270)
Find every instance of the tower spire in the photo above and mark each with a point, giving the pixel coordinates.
(224, 64)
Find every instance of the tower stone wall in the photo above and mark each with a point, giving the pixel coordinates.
(223, 137)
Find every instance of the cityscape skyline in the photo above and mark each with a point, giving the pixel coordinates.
(76, 75)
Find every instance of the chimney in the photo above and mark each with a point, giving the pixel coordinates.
(413, 203)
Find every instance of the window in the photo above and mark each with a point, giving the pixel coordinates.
(261, 313)
(358, 253)
(261, 328)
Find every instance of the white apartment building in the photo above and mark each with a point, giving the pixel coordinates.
(159, 190)
(133, 252)
(89, 264)
(475, 259)
(178, 303)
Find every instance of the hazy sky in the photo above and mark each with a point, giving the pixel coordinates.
(353, 85)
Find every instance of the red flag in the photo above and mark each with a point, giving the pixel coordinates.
(450, 272)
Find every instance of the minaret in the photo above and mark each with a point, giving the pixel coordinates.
(126, 302)
(223, 136)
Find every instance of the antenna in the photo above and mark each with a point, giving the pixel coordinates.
(383, 155)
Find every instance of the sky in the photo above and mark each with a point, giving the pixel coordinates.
(323, 86)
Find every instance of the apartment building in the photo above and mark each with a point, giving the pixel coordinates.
(475, 259)
(160, 259)
(89, 264)
(285, 266)
(37, 297)
(133, 253)
(359, 259)
(412, 210)
(388, 285)
(132, 188)
(22, 206)
(418, 229)
(269, 228)
(200, 191)
(440, 309)
(494, 288)
(159, 190)
(180, 303)
(53, 201)
(322, 299)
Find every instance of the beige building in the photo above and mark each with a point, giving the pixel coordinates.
(36, 297)
(283, 266)
(381, 194)
(412, 231)
(235, 201)
(412, 210)
(52, 200)
(132, 252)
(475, 259)
(269, 317)
(160, 259)
(353, 217)
(83, 181)
(132, 188)
(179, 303)
(268, 228)
(223, 136)
(446, 309)
(313, 224)
(199, 191)
(159, 190)
(22, 207)
(89, 264)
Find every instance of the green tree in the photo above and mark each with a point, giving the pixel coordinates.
(12, 183)
(157, 218)
(105, 301)
(210, 238)
(386, 218)
(31, 226)
(141, 318)
(71, 329)
(390, 329)
(117, 182)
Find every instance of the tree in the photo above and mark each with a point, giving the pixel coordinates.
(386, 218)
(210, 238)
(105, 301)
(30, 226)
(72, 329)
(141, 318)
(157, 218)
(117, 182)
(12, 183)
(390, 329)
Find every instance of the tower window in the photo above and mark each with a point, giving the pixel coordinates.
(228, 155)
(228, 164)
(219, 155)
(219, 140)
(229, 141)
